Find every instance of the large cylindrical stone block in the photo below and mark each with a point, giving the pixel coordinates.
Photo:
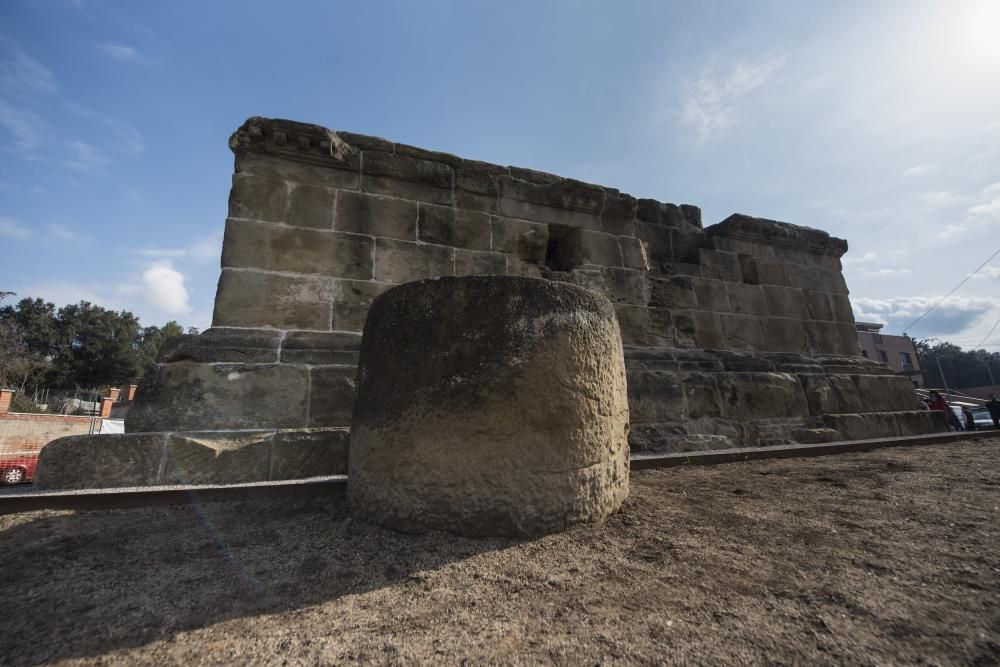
(489, 405)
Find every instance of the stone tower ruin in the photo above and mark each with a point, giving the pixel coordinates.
(736, 334)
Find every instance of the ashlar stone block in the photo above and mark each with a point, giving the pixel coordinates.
(757, 271)
(101, 461)
(785, 302)
(633, 253)
(310, 206)
(406, 177)
(350, 302)
(525, 240)
(742, 332)
(272, 247)
(711, 295)
(387, 217)
(321, 348)
(746, 299)
(782, 334)
(444, 225)
(217, 457)
(331, 395)
(256, 198)
(475, 263)
(676, 292)
(402, 262)
(656, 396)
(247, 298)
(313, 452)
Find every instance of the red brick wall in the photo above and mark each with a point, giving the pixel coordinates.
(29, 433)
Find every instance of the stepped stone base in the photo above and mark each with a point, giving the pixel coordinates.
(696, 400)
(191, 457)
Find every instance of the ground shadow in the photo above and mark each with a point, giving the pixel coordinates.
(80, 585)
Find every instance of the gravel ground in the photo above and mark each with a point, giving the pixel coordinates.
(887, 557)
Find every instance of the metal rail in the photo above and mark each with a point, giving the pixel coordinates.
(99, 499)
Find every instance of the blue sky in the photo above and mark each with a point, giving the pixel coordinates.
(878, 122)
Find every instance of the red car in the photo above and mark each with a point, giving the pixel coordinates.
(18, 468)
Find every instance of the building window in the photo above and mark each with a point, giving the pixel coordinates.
(883, 357)
(905, 358)
(864, 353)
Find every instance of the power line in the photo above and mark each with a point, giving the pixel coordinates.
(990, 333)
(954, 289)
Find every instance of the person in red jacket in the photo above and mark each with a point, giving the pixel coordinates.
(938, 403)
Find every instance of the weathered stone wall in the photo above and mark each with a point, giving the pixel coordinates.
(739, 333)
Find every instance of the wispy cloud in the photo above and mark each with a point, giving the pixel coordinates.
(127, 139)
(712, 101)
(12, 228)
(63, 233)
(888, 272)
(919, 170)
(160, 252)
(942, 198)
(203, 250)
(207, 249)
(26, 129)
(120, 52)
(85, 157)
(20, 74)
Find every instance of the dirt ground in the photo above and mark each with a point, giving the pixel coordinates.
(888, 557)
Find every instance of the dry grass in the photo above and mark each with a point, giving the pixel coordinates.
(889, 557)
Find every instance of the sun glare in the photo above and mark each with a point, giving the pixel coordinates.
(978, 32)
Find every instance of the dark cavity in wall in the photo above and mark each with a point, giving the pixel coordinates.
(564, 251)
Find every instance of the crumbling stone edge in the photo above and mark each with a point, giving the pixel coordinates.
(118, 498)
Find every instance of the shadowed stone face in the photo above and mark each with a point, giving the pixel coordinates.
(489, 405)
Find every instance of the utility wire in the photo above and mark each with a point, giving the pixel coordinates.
(989, 334)
(954, 289)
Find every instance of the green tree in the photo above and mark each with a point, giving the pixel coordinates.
(96, 346)
(154, 340)
(18, 365)
(36, 319)
(962, 368)
(80, 345)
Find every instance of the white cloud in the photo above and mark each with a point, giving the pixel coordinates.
(12, 228)
(119, 52)
(887, 272)
(993, 189)
(63, 292)
(20, 74)
(862, 259)
(942, 198)
(992, 272)
(953, 316)
(206, 249)
(25, 127)
(127, 139)
(986, 212)
(63, 233)
(163, 288)
(712, 103)
(86, 157)
(919, 170)
(160, 252)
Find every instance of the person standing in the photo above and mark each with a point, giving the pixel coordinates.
(993, 405)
